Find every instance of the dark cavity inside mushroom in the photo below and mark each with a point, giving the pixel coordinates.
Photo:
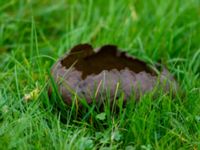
(84, 59)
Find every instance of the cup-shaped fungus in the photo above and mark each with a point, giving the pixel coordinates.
(93, 74)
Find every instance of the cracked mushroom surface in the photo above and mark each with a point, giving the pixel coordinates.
(94, 74)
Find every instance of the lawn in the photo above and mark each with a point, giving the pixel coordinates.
(34, 33)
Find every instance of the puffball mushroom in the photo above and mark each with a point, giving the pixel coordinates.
(93, 74)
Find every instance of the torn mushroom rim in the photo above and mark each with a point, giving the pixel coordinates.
(85, 52)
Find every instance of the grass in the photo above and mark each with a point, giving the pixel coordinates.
(33, 34)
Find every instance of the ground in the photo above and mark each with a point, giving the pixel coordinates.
(33, 34)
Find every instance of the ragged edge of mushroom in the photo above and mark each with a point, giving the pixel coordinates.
(85, 51)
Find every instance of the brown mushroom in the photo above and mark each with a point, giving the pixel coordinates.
(93, 74)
